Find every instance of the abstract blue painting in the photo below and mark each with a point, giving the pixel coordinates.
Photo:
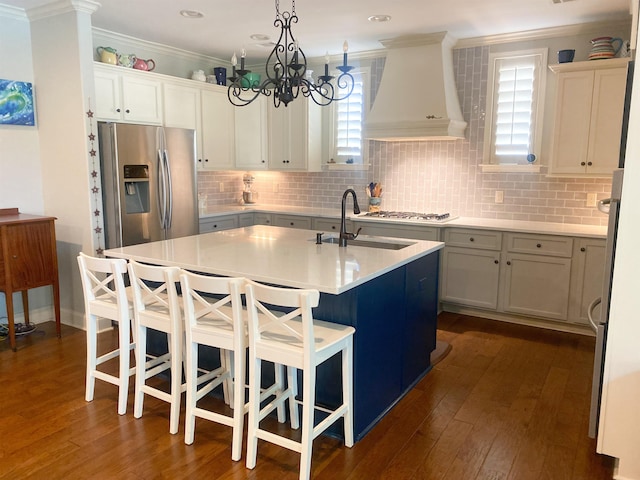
(16, 103)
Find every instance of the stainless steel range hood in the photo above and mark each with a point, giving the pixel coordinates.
(417, 98)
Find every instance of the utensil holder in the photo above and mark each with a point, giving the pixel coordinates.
(374, 204)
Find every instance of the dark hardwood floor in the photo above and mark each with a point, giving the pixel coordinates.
(507, 402)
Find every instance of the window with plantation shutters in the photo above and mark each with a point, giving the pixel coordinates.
(514, 107)
(348, 121)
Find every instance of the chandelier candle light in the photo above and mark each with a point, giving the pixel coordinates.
(286, 71)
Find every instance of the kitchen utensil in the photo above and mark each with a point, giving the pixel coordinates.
(249, 196)
(221, 75)
(126, 60)
(566, 56)
(108, 55)
(146, 65)
(199, 76)
(602, 47)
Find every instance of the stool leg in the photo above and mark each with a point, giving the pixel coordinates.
(92, 348)
(123, 381)
(238, 366)
(279, 377)
(292, 379)
(308, 403)
(176, 381)
(347, 391)
(254, 410)
(141, 355)
(192, 387)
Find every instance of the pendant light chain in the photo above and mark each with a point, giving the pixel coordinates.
(286, 72)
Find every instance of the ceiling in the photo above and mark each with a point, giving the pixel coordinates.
(323, 26)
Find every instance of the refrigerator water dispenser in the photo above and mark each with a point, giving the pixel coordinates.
(136, 188)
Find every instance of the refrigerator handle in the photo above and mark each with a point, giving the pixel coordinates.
(590, 309)
(162, 191)
(169, 190)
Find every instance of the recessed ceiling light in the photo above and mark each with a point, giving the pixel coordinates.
(265, 44)
(191, 14)
(379, 18)
(261, 37)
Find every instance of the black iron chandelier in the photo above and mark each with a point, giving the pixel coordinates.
(286, 72)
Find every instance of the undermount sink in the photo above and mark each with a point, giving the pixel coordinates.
(386, 245)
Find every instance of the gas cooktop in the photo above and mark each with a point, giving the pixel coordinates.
(425, 217)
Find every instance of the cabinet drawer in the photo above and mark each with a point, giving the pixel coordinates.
(399, 231)
(330, 225)
(540, 244)
(218, 223)
(292, 221)
(245, 219)
(483, 239)
(262, 219)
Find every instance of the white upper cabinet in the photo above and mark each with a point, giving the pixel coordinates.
(127, 96)
(588, 117)
(252, 151)
(218, 129)
(295, 136)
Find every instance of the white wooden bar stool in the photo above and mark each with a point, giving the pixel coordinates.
(156, 306)
(299, 341)
(214, 316)
(105, 297)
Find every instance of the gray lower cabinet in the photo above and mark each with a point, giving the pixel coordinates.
(330, 225)
(292, 221)
(245, 219)
(213, 224)
(587, 278)
(397, 231)
(470, 267)
(470, 277)
(541, 276)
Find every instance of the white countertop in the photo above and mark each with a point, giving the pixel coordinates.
(575, 230)
(278, 255)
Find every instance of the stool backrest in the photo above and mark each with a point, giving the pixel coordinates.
(103, 286)
(155, 295)
(215, 301)
(274, 311)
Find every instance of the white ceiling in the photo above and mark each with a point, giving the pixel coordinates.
(324, 25)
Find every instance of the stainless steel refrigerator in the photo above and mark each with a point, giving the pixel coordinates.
(149, 188)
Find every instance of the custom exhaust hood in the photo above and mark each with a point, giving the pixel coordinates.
(417, 98)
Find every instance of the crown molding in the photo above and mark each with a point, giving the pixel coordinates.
(543, 33)
(153, 46)
(63, 6)
(14, 13)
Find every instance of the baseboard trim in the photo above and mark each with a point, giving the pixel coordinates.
(520, 320)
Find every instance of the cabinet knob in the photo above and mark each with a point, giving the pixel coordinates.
(262, 161)
(206, 159)
(472, 239)
(118, 110)
(496, 262)
(267, 222)
(291, 223)
(200, 160)
(127, 111)
(539, 245)
(589, 163)
(333, 227)
(508, 263)
(215, 226)
(582, 164)
(15, 257)
(583, 249)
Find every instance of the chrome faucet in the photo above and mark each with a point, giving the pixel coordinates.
(344, 235)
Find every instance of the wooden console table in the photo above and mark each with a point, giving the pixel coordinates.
(28, 259)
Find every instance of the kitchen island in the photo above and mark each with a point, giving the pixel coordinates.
(387, 290)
